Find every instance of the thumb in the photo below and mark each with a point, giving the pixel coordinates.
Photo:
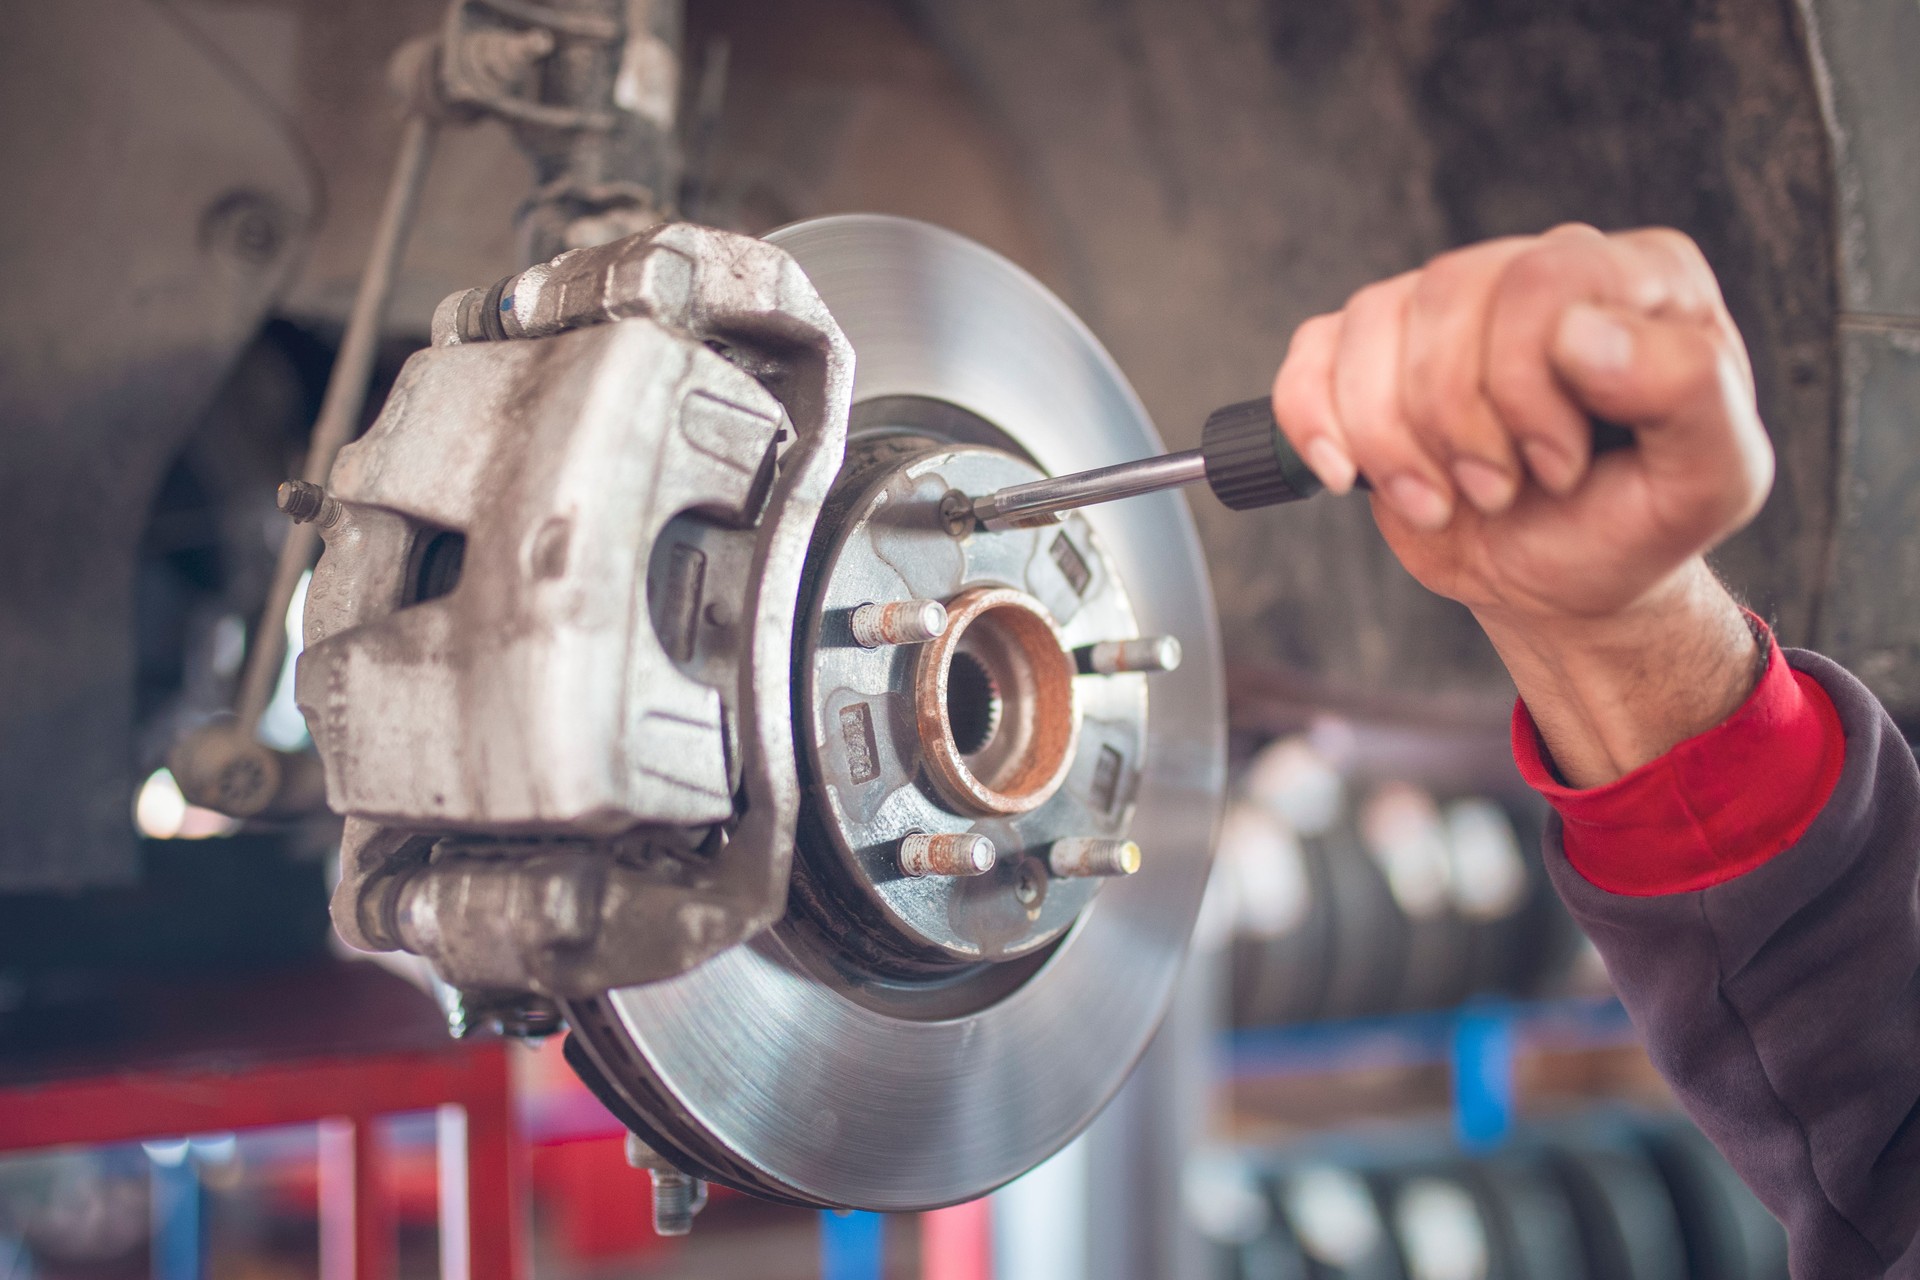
(1681, 386)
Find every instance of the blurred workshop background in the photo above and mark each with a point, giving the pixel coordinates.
(1390, 1055)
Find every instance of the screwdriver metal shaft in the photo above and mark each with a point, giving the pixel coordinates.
(1039, 500)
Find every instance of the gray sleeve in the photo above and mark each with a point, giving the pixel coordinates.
(1783, 1006)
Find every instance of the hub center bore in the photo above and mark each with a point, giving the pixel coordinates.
(994, 700)
(973, 703)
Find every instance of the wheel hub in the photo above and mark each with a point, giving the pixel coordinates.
(985, 730)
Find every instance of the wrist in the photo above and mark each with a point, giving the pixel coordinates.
(1614, 692)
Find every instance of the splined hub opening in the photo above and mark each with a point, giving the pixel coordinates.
(973, 703)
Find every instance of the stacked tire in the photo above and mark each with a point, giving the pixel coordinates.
(1350, 901)
(1613, 1196)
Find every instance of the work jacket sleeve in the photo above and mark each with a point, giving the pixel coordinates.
(1782, 1001)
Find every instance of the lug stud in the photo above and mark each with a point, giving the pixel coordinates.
(305, 503)
(876, 626)
(1112, 657)
(964, 854)
(1091, 856)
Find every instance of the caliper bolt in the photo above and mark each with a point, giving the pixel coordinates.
(677, 1197)
(964, 854)
(1112, 657)
(901, 622)
(1092, 856)
(305, 503)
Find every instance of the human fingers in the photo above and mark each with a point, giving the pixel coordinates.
(1684, 388)
(1442, 394)
(1567, 265)
(1303, 402)
(1366, 393)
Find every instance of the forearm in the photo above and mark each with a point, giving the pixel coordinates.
(1779, 1002)
(1610, 695)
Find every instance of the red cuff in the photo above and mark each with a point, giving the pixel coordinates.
(1714, 807)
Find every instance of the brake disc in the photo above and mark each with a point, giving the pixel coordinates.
(901, 1042)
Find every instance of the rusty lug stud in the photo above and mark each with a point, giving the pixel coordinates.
(964, 854)
(1112, 657)
(1092, 856)
(900, 622)
(305, 503)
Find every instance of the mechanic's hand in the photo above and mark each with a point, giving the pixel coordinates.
(1466, 391)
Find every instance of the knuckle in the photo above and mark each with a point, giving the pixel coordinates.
(1539, 270)
(1574, 231)
(1669, 240)
(1302, 403)
(1370, 298)
(1443, 277)
(1366, 415)
(1300, 383)
(1313, 332)
(1445, 287)
(1676, 269)
(1294, 406)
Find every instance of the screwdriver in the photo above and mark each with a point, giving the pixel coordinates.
(1243, 456)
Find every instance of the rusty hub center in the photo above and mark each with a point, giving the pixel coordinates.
(994, 700)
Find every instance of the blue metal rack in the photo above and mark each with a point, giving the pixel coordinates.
(1477, 1042)
(1416, 1039)
(852, 1246)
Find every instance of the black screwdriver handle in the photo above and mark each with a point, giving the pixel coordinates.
(1251, 463)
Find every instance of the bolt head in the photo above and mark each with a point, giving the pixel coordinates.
(1030, 885)
(956, 514)
(222, 769)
